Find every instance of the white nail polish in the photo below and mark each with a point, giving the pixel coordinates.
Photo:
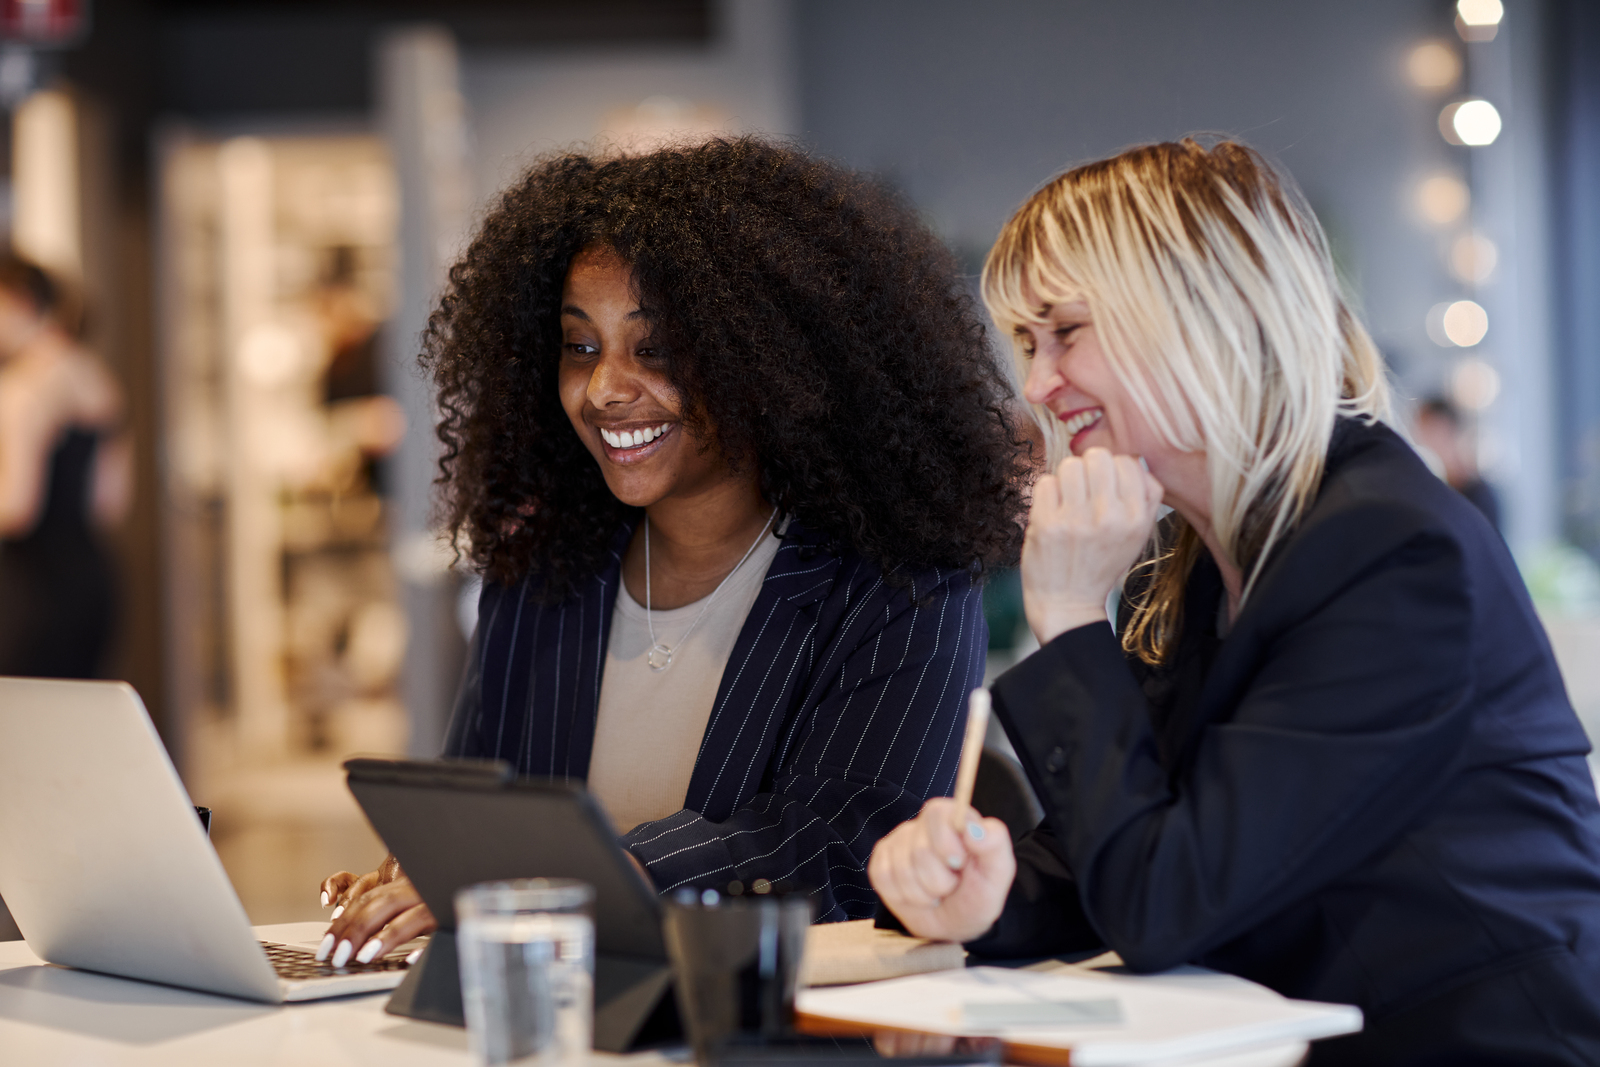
(324, 898)
(338, 911)
(341, 955)
(416, 954)
(953, 862)
(324, 948)
(975, 831)
(369, 950)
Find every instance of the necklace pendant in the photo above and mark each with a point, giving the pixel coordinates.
(660, 657)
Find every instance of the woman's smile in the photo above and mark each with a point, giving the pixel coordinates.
(1078, 424)
(634, 442)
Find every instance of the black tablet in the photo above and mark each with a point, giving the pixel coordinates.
(453, 823)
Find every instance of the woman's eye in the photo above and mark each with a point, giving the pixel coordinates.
(578, 350)
(1064, 332)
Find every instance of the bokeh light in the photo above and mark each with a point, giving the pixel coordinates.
(1470, 122)
(1477, 122)
(1433, 65)
(1480, 12)
(1435, 325)
(1443, 198)
(1465, 322)
(1478, 20)
(1473, 258)
(1474, 384)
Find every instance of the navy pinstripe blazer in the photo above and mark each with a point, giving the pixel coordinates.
(839, 713)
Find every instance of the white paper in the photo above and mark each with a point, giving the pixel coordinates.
(1162, 1019)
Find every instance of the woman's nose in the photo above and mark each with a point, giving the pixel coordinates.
(613, 380)
(1043, 379)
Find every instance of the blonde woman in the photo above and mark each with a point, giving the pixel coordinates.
(1323, 744)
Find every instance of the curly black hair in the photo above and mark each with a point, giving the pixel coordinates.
(813, 325)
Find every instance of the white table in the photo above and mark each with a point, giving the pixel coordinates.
(53, 1015)
(56, 1016)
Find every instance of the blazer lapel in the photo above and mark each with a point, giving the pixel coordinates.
(568, 667)
(769, 664)
(1237, 657)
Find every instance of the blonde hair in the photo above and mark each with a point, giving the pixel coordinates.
(1217, 306)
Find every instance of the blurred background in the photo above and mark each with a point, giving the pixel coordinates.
(255, 203)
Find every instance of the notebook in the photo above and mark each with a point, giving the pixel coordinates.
(841, 953)
(1088, 1017)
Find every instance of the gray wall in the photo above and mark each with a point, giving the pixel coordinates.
(972, 106)
(524, 102)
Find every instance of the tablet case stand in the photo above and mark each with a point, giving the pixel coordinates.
(633, 1003)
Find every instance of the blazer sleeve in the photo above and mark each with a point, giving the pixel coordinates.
(1043, 915)
(878, 732)
(1344, 731)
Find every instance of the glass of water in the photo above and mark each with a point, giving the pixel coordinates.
(526, 949)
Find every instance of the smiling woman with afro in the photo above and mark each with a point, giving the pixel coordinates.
(725, 438)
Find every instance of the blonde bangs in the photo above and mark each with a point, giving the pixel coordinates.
(1024, 274)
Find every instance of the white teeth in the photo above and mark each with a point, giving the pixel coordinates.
(1081, 420)
(633, 438)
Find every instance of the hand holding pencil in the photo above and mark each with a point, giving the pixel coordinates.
(946, 873)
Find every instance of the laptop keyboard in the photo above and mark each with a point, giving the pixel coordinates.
(298, 964)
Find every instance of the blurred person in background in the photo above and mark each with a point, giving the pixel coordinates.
(1443, 436)
(723, 434)
(1325, 746)
(361, 415)
(65, 473)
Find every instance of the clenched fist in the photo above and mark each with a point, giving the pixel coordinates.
(1089, 524)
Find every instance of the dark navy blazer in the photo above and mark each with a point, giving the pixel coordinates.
(1371, 791)
(839, 712)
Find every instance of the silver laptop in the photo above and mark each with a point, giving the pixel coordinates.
(104, 863)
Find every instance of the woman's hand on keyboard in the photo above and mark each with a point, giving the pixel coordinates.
(339, 891)
(372, 914)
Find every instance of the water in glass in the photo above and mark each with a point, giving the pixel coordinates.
(527, 986)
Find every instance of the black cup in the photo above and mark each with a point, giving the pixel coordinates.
(736, 963)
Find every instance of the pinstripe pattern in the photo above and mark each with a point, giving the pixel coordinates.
(839, 712)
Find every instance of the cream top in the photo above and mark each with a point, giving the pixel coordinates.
(651, 723)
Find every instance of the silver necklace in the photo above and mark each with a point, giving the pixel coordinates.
(660, 657)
